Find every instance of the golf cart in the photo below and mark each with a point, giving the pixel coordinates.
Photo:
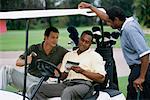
(98, 94)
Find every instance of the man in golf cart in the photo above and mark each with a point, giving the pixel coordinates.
(48, 50)
(79, 69)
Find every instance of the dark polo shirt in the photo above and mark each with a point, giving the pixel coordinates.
(55, 57)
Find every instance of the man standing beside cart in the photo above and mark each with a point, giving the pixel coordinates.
(135, 49)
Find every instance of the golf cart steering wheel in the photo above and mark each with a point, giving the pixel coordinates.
(47, 69)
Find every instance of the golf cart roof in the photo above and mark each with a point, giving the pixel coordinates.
(25, 14)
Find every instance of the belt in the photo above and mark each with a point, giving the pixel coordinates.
(71, 82)
(134, 65)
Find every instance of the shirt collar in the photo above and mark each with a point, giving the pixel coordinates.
(126, 21)
(41, 47)
(54, 49)
(88, 50)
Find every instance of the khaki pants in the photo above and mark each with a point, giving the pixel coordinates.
(15, 76)
(67, 90)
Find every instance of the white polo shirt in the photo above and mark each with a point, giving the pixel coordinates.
(88, 60)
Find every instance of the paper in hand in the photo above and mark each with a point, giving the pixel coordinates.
(69, 64)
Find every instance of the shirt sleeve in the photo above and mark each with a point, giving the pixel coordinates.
(22, 56)
(63, 51)
(65, 58)
(136, 39)
(98, 65)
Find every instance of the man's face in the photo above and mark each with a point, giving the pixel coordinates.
(52, 39)
(114, 24)
(85, 42)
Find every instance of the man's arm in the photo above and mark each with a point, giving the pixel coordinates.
(21, 62)
(93, 76)
(63, 75)
(144, 66)
(99, 13)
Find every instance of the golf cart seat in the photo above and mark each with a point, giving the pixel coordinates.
(106, 94)
(99, 93)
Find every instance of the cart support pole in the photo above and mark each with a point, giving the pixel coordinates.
(26, 51)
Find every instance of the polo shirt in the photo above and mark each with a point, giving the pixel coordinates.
(55, 57)
(88, 60)
(132, 41)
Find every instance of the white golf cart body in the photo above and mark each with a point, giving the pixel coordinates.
(113, 95)
(102, 96)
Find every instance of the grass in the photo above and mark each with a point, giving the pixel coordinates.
(14, 40)
(123, 81)
(147, 38)
(11, 89)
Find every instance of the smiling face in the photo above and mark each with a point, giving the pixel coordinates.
(51, 36)
(85, 42)
(52, 39)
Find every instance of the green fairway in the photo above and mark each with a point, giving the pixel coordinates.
(123, 82)
(14, 40)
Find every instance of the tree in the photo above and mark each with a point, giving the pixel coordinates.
(126, 5)
(10, 5)
(74, 20)
(142, 11)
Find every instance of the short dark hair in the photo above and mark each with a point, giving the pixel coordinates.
(116, 11)
(88, 32)
(49, 30)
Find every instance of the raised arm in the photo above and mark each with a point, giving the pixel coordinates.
(99, 13)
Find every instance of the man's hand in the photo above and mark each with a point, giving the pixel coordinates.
(93, 76)
(21, 62)
(77, 69)
(99, 13)
(84, 5)
(68, 68)
(29, 59)
(138, 84)
(144, 67)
